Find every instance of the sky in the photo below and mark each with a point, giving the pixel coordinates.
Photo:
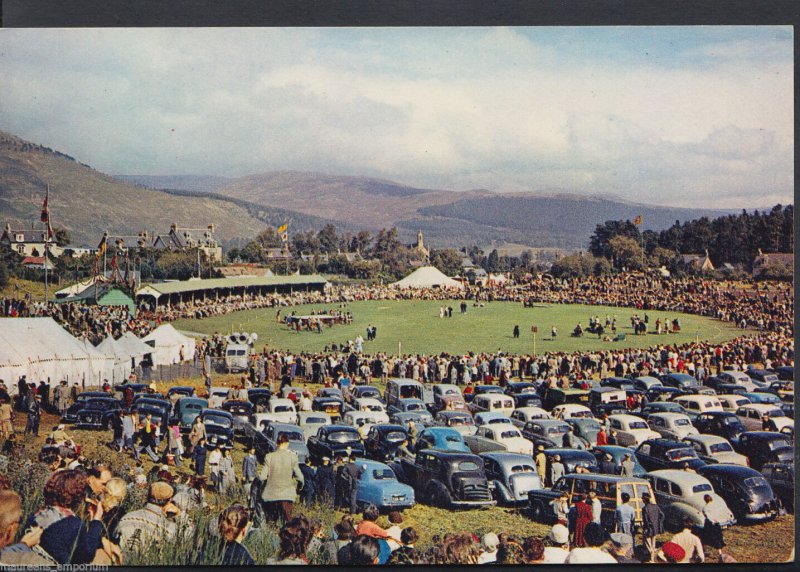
(680, 116)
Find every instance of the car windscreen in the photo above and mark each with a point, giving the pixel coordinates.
(755, 482)
(720, 448)
(293, 436)
(453, 438)
(637, 425)
(383, 475)
(282, 408)
(522, 469)
(510, 434)
(778, 444)
(414, 406)
(217, 420)
(702, 488)
(457, 421)
(316, 420)
(468, 466)
(395, 436)
(776, 413)
(371, 407)
(558, 429)
(678, 454)
(682, 422)
(193, 406)
(343, 436)
(732, 420)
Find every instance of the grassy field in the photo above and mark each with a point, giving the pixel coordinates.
(415, 327)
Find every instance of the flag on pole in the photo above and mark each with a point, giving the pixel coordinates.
(283, 231)
(638, 220)
(101, 248)
(46, 207)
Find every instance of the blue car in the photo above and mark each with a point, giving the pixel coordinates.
(757, 397)
(378, 485)
(617, 453)
(442, 439)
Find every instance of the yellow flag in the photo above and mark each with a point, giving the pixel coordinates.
(283, 228)
(638, 220)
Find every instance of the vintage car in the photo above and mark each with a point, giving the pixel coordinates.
(788, 409)
(631, 430)
(763, 447)
(159, 409)
(311, 421)
(406, 418)
(780, 476)
(725, 424)
(621, 383)
(71, 414)
(740, 378)
(557, 396)
(265, 439)
(441, 438)
(783, 389)
(259, 397)
(646, 382)
(511, 476)
(363, 420)
(608, 400)
(655, 454)
(521, 415)
(732, 401)
(570, 410)
(449, 403)
(219, 427)
(697, 404)
(617, 454)
(216, 395)
(763, 376)
(281, 410)
(609, 489)
(671, 425)
(186, 410)
(785, 372)
(498, 437)
(407, 404)
(241, 412)
(378, 485)
(492, 418)
(119, 390)
(440, 390)
(662, 407)
(330, 405)
(545, 432)
(682, 381)
(447, 479)
(730, 389)
(330, 392)
(382, 441)
(572, 459)
(524, 394)
(458, 420)
(763, 397)
(175, 392)
(494, 402)
(751, 415)
(361, 391)
(659, 393)
(401, 389)
(715, 449)
(586, 430)
(747, 493)
(482, 390)
(96, 412)
(369, 405)
(680, 495)
(335, 441)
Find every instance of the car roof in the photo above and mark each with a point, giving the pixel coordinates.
(402, 381)
(759, 406)
(729, 470)
(371, 465)
(625, 417)
(505, 457)
(434, 430)
(450, 455)
(287, 427)
(502, 426)
(549, 422)
(566, 451)
(306, 414)
(280, 400)
(695, 396)
(666, 443)
(765, 435)
(669, 415)
(332, 428)
(221, 412)
(705, 438)
(390, 427)
(600, 478)
(680, 476)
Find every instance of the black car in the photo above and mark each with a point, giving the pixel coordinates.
(479, 389)
(446, 478)
(788, 409)
(780, 476)
(730, 389)
(159, 409)
(762, 447)
(663, 407)
(619, 383)
(71, 415)
(746, 492)
(219, 428)
(785, 373)
(180, 391)
(762, 376)
(335, 441)
(525, 394)
(96, 412)
(663, 393)
(720, 423)
(548, 433)
(333, 406)
(259, 397)
(241, 412)
(655, 454)
(383, 440)
(119, 391)
(572, 459)
(359, 391)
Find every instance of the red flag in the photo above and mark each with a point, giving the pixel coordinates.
(45, 208)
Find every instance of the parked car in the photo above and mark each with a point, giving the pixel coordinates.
(241, 412)
(788, 410)
(448, 479)
(682, 381)
(751, 414)
(671, 425)
(119, 390)
(655, 454)
(780, 476)
(556, 396)
(383, 440)
(732, 402)
(330, 405)
(371, 405)
(287, 390)
(335, 441)
(361, 391)
(586, 430)
(763, 447)
(680, 495)
(783, 389)
(715, 449)
(259, 397)
(216, 395)
(646, 382)
(631, 430)
(492, 418)
(378, 485)
(159, 409)
(763, 397)
(496, 402)
(785, 372)
(521, 415)
(730, 389)
(177, 391)
(311, 421)
(617, 454)
(266, 440)
(401, 389)
(281, 410)
(569, 410)
(662, 407)
(186, 410)
(545, 432)
(746, 491)
(608, 400)
(739, 377)
(524, 394)
(664, 393)
(441, 438)
(622, 383)
(404, 419)
(96, 412)
(483, 390)
(451, 392)
(725, 424)
(449, 403)
(71, 415)
(499, 437)
(609, 489)
(408, 404)
(697, 404)
(572, 459)
(762, 376)
(458, 420)
(510, 476)
(219, 427)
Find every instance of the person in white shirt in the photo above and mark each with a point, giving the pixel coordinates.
(597, 507)
(715, 512)
(305, 402)
(213, 466)
(595, 537)
(691, 544)
(490, 542)
(556, 554)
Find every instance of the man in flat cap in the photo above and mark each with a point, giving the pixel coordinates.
(153, 523)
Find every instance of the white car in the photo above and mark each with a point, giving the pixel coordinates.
(522, 415)
(681, 494)
(361, 419)
(739, 378)
(671, 425)
(732, 402)
(281, 410)
(502, 437)
(492, 402)
(750, 415)
(715, 449)
(570, 410)
(697, 404)
(371, 405)
(311, 421)
(631, 430)
(216, 396)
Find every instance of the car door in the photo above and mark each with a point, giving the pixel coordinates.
(643, 456)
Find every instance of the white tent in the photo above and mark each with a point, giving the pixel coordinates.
(134, 347)
(41, 349)
(167, 343)
(428, 277)
(102, 364)
(121, 359)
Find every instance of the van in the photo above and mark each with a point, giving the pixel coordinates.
(697, 404)
(492, 402)
(401, 388)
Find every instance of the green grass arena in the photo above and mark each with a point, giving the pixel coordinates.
(411, 326)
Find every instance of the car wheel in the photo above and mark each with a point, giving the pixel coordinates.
(537, 512)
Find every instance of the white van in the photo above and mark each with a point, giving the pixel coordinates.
(494, 402)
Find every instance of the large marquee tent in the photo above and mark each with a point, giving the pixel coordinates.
(167, 343)
(428, 277)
